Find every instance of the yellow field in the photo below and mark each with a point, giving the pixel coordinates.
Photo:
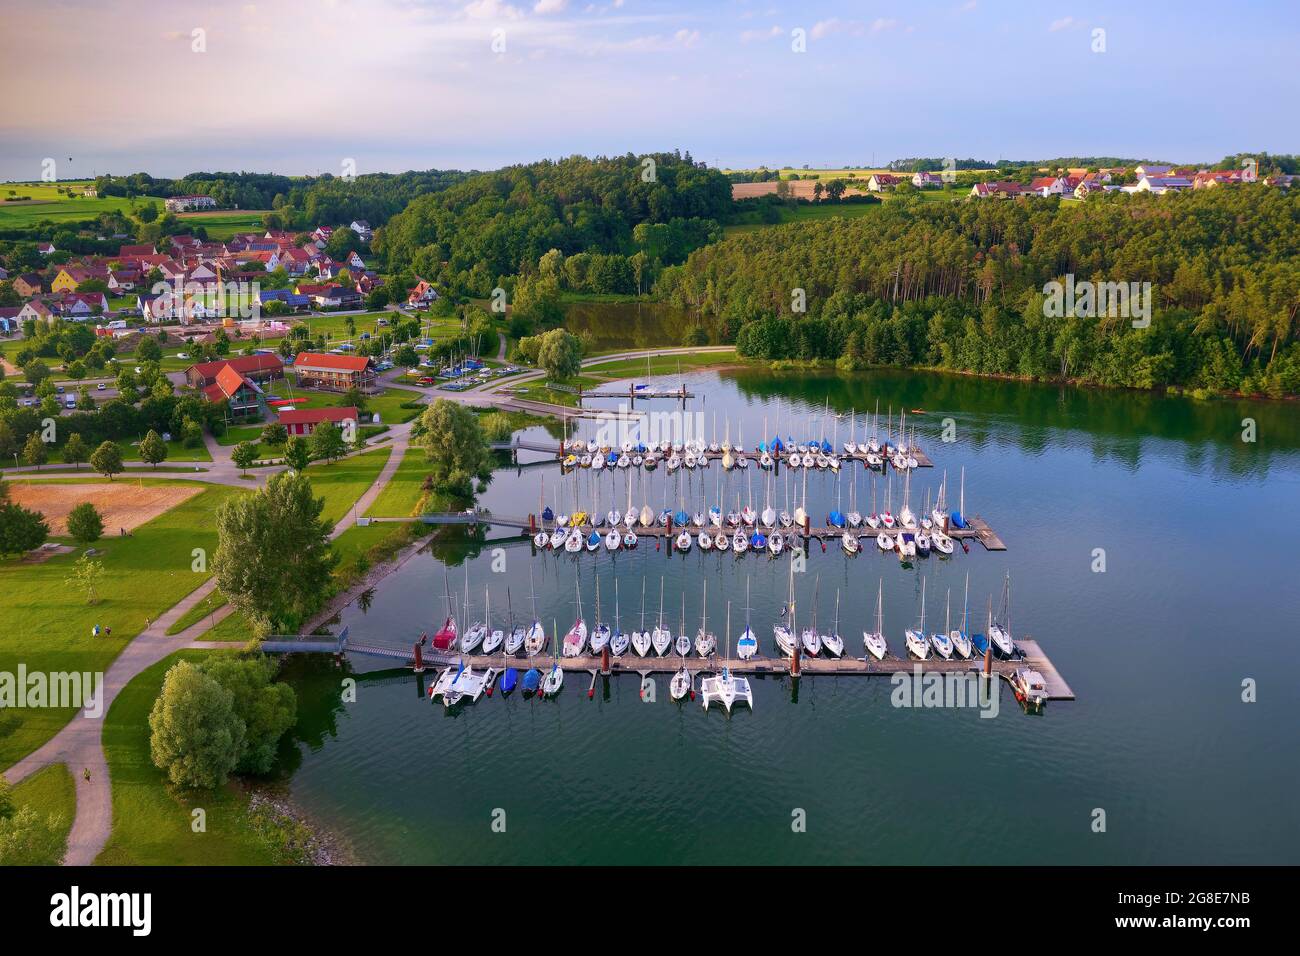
(121, 504)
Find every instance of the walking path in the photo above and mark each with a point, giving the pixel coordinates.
(79, 744)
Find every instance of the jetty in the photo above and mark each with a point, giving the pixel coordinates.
(417, 657)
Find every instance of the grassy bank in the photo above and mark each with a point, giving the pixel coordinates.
(50, 790)
(152, 822)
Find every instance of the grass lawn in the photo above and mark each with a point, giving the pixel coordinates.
(176, 452)
(194, 615)
(49, 790)
(234, 628)
(224, 223)
(48, 627)
(359, 540)
(661, 364)
(341, 483)
(151, 822)
(404, 491)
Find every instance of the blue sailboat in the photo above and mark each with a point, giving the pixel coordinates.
(836, 519)
(532, 681)
(548, 514)
(508, 680)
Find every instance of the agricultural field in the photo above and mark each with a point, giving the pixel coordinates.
(224, 223)
(123, 505)
(48, 203)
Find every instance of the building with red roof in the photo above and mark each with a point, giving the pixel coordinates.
(303, 421)
(258, 367)
(335, 373)
(245, 396)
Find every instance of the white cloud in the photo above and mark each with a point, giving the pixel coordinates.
(1065, 23)
(492, 10)
(824, 28)
(749, 36)
(543, 7)
(881, 24)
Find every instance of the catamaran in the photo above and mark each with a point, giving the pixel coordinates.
(916, 639)
(726, 687)
(874, 641)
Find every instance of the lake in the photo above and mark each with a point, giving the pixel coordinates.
(1199, 594)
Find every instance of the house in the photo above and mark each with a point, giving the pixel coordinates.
(45, 248)
(927, 180)
(89, 192)
(36, 310)
(1160, 185)
(80, 305)
(422, 294)
(1148, 169)
(336, 373)
(258, 367)
(362, 229)
(1090, 184)
(28, 284)
(336, 296)
(1049, 186)
(880, 182)
(246, 398)
(70, 277)
(135, 252)
(303, 421)
(158, 307)
(291, 299)
(322, 235)
(311, 288)
(295, 262)
(188, 203)
(9, 319)
(124, 280)
(998, 190)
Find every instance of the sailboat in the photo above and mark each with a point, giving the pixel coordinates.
(474, 635)
(445, 638)
(726, 687)
(641, 638)
(874, 641)
(811, 640)
(942, 642)
(1000, 631)
(747, 645)
(832, 642)
(705, 643)
(916, 640)
(661, 638)
(515, 636)
(960, 642)
(783, 635)
(535, 637)
(576, 639)
(555, 676)
(600, 634)
(619, 641)
(494, 637)
(683, 642)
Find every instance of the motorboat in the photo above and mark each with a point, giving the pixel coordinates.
(849, 541)
(1029, 686)
(683, 541)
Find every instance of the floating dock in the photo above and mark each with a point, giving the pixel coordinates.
(558, 451)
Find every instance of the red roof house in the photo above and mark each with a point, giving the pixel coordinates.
(302, 421)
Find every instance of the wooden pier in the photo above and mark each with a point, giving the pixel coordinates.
(559, 450)
(1029, 654)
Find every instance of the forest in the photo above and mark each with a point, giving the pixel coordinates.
(501, 223)
(960, 286)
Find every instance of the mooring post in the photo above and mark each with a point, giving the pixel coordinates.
(604, 660)
(794, 656)
(669, 526)
(988, 656)
(419, 657)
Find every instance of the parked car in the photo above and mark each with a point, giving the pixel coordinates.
(182, 355)
(100, 387)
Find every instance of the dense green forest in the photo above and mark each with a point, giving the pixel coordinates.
(960, 286)
(501, 223)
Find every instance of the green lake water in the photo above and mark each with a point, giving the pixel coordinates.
(1199, 594)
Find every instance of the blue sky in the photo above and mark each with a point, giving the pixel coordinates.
(301, 87)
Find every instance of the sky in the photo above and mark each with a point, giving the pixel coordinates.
(305, 86)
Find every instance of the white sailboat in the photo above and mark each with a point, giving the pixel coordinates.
(811, 640)
(535, 637)
(705, 643)
(619, 641)
(494, 637)
(641, 638)
(747, 645)
(942, 642)
(784, 635)
(661, 638)
(916, 639)
(600, 634)
(874, 641)
(1000, 631)
(576, 638)
(554, 679)
(961, 637)
(832, 642)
